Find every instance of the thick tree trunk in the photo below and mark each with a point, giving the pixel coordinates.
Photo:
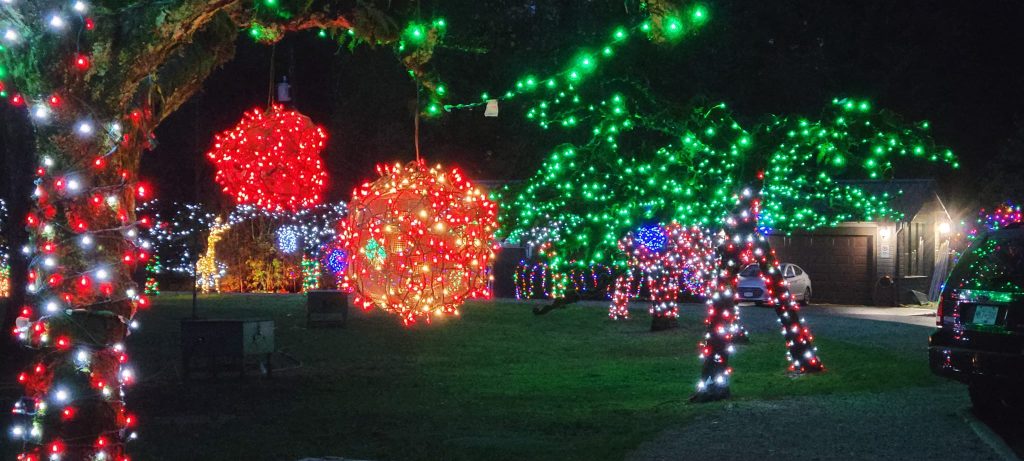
(619, 309)
(84, 247)
(721, 323)
(18, 165)
(664, 291)
(800, 350)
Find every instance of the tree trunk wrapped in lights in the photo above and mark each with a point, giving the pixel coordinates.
(96, 82)
(741, 246)
(83, 249)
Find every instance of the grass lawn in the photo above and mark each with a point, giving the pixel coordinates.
(497, 383)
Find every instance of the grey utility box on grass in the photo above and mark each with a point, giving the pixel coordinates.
(326, 308)
(213, 344)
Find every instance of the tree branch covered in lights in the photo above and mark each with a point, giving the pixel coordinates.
(583, 199)
(96, 78)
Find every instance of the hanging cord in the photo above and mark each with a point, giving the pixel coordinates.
(270, 84)
(416, 80)
(416, 122)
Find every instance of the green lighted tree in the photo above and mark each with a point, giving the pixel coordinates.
(786, 174)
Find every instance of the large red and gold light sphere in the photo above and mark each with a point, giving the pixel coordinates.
(271, 160)
(420, 241)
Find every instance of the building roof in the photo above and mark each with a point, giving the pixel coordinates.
(909, 196)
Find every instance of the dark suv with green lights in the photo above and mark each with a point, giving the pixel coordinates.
(980, 339)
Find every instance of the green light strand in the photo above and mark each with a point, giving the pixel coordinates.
(561, 87)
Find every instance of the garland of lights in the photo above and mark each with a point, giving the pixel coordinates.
(173, 235)
(420, 241)
(560, 90)
(532, 280)
(271, 160)
(669, 259)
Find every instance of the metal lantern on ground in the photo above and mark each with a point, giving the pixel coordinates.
(420, 241)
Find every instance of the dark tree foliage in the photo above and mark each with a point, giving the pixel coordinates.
(1002, 173)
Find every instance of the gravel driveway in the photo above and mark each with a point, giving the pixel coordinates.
(907, 424)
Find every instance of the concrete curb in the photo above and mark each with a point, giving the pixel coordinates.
(990, 438)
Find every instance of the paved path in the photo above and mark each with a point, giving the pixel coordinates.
(910, 424)
(907, 424)
(920, 316)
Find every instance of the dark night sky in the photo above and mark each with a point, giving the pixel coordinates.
(957, 64)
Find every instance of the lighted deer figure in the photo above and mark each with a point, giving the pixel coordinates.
(207, 272)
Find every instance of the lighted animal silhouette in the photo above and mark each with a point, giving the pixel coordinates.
(208, 273)
(666, 260)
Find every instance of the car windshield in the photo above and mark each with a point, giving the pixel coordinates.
(750, 271)
(995, 263)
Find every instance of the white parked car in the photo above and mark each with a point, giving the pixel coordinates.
(751, 287)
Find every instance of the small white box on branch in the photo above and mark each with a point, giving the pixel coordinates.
(492, 108)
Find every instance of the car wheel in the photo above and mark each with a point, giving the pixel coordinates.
(987, 399)
(807, 297)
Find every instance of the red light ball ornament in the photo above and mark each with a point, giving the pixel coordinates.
(420, 241)
(271, 160)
